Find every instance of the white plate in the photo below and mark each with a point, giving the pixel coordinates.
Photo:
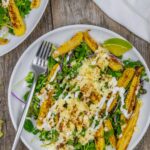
(31, 21)
(59, 36)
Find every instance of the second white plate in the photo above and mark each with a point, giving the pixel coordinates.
(31, 21)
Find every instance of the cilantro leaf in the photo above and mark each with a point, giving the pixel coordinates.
(24, 7)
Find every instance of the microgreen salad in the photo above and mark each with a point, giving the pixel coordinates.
(88, 100)
(12, 15)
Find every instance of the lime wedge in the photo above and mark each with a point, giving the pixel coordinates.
(117, 46)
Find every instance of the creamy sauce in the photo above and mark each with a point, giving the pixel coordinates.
(5, 3)
(109, 148)
(123, 110)
(137, 90)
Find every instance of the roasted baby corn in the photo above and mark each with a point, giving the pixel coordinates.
(129, 101)
(126, 77)
(123, 81)
(128, 132)
(35, 3)
(3, 41)
(114, 64)
(69, 45)
(18, 24)
(99, 139)
(44, 108)
(90, 41)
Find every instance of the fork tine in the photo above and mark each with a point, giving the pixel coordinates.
(47, 51)
(40, 50)
(43, 53)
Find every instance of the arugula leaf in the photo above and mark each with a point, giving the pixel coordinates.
(34, 108)
(41, 82)
(116, 74)
(132, 64)
(29, 78)
(28, 126)
(25, 97)
(51, 135)
(89, 146)
(24, 7)
(81, 52)
(51, 62)
(107, 135)
(83, 132)
(4, 17)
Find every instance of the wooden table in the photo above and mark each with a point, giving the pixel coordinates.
(61, 13)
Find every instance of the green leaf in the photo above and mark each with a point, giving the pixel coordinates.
(24, 7)
(28, 126)
(107, 135)
(41, 82)
(25, 97)
(51, 62)
(4, 17)
(51, 135)
(70, 142)
(29, 78)
(83, 132)
(90, 146)
(34, 107)
(132, 64)
(116, 74)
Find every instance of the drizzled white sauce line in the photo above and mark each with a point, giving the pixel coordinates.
(116, 90)
(123, 110)
(55, 73)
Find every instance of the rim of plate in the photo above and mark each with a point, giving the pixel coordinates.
(26, 35)
(61, 29)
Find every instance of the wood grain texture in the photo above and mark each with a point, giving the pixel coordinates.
(61, 13)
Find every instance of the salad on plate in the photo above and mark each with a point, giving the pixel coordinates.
(90, 97)
(12, 15)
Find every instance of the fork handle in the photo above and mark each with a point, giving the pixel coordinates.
(26, 108)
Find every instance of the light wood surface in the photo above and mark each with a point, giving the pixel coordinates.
(61, 13)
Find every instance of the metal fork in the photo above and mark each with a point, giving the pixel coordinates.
(39, 66)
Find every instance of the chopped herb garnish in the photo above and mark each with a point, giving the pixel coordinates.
(116, 74)
(24, 7)
(51, 135)
(107, 135)
(51, 62)
(28, 125)
(25, 97)
(132, 64)
(83, 132)
(29, 79)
